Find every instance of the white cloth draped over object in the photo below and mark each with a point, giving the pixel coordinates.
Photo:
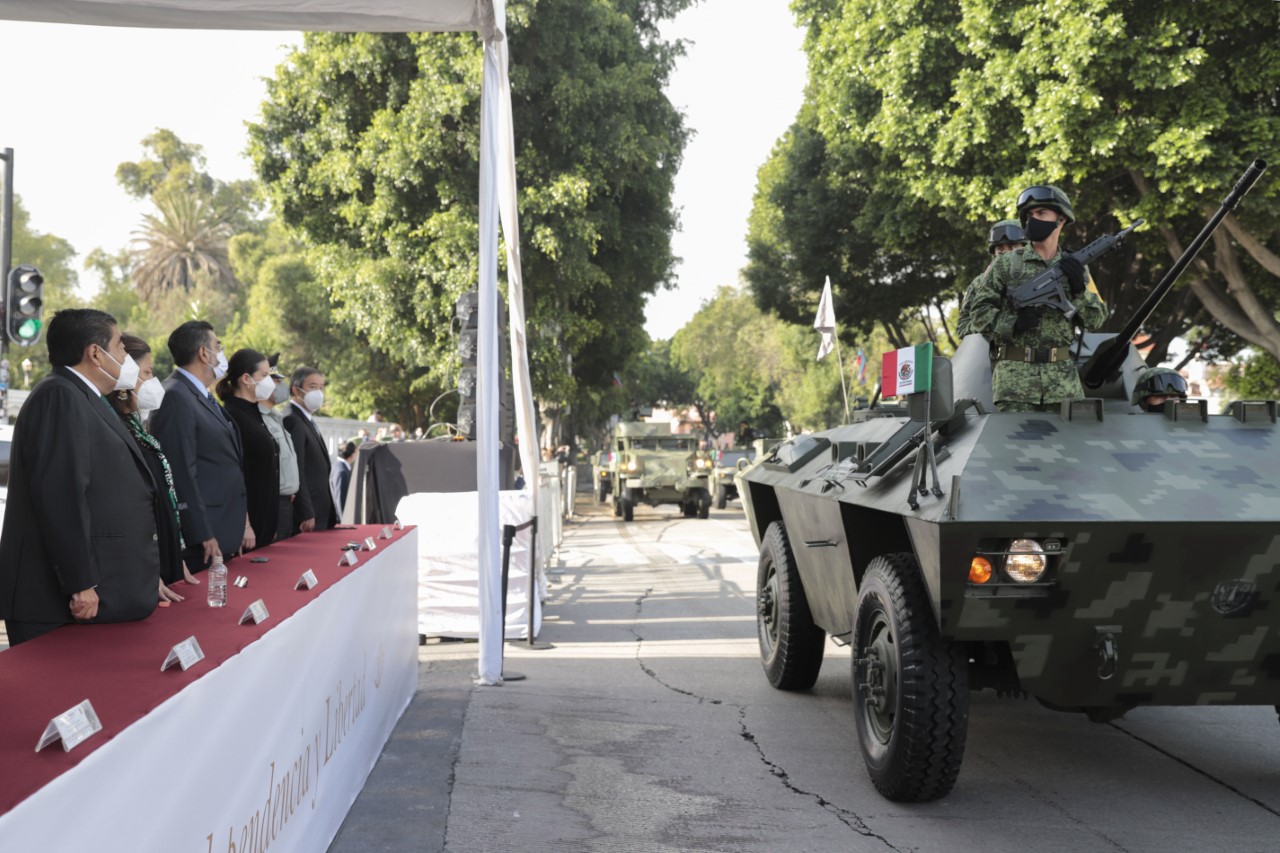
(497, 190)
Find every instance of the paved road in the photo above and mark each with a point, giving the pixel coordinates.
(650, 727)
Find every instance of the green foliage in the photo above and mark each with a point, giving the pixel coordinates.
(368, 146)
(1255, 378)
(924, 120)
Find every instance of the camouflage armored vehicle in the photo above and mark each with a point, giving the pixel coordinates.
(654, 466)
(1096, 558)
(602, 474)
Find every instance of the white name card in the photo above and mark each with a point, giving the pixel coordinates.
(349, 558)
(256, 612)
(369, 544)
(185, 654)
(241, 581)
(307, 581)
(399, 525)
(72, 727)
(385, 534)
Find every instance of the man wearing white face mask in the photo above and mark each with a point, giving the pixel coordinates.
(80, 541)
(204, 449)
(314, 508)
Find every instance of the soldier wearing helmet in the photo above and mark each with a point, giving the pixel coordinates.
(1155, 385)
(1005, 236)
(1034, 370)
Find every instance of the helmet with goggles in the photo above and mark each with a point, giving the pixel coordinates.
(1044, 195)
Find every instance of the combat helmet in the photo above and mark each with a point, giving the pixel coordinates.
(1003, 232)
(1044, 195)
(1158, 381)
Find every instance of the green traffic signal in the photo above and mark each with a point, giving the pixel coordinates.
(29, 330)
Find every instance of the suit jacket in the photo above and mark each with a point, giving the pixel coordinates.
(203, 446)
(261, 469)
(82, 509)
(314, 497)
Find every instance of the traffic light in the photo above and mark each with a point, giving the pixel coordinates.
(24, 304)
(468, 314)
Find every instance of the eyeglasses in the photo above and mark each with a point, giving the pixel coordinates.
(1167, 384)
(1032, 194)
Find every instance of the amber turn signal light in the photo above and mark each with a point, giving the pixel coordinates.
(979, 570)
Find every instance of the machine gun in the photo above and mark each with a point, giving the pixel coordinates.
(1046, 288)
(1110, 356)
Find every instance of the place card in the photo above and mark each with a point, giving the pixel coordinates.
(240, 581)
(72, 727)
(308, 580)
(369, 544)
(256, 611)
(385, 534)
(399, 525)
(185, 654)
(349, 558)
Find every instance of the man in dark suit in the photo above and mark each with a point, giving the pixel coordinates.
(203, 446)
(79, 541)
(313, 510)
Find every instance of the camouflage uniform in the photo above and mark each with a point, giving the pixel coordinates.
(1019, 386)
(964, 323)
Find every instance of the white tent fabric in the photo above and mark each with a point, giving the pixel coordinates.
(497, 190)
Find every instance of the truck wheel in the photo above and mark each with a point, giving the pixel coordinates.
(603, 493)
(617, 507)
(722, 497)
(704, 504)
(791, 645)
(627, 508)
(910, 687)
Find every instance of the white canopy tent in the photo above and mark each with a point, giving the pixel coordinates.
(497, 200)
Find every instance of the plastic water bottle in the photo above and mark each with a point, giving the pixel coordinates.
(217, 581)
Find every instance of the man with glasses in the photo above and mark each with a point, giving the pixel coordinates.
(1005, 236)
(1034, 370)
(1155, 386)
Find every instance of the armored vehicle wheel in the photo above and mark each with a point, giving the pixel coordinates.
(790, 644)
(722, 497)
(687, 510)
(627, 508)
(603, 494)
(910, 687)
(704, 504)
(617, 507)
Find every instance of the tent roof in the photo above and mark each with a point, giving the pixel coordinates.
(307, 15)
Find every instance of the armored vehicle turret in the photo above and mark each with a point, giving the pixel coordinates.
(654, 466)
(1096, 558)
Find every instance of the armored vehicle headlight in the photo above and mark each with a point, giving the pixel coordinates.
(632, 465)
(979, 570)
(701, 463)
(1027, 562)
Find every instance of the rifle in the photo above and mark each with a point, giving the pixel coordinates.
(1046, 288)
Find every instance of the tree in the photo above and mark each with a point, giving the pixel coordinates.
(1147, 109)
(181, 245)
(368, 146)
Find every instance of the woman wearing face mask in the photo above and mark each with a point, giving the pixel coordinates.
(134, 406)
(248, 383)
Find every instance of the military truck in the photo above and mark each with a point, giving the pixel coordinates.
(654, 466)
(1095, 558)
(728, 464)
(602, 474)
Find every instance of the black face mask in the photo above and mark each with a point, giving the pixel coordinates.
(1038, 230)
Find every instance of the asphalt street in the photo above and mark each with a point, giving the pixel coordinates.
(649, 726)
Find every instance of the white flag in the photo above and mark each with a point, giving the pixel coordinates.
(825, 322)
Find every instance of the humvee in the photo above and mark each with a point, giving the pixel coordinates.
(654, 466)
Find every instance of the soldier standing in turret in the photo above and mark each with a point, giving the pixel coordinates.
(1032, 346)
(1156, 385)
(1005, 236)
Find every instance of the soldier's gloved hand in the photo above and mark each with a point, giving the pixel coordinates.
(1028, 319)
(1074, 272)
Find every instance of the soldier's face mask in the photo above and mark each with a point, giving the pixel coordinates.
(1038, 230)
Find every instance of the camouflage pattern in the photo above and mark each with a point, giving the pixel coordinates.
(964, 322)
(653, 466)
(1019, 386)
(1168, 535)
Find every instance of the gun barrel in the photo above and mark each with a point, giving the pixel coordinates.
(1109, 361)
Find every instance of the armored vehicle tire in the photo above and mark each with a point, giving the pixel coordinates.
(617, 507)
(722, 497)
(627, 508)
(791, 645)
(603, 494)
(704, 504)
(687, 510)
(910, 687)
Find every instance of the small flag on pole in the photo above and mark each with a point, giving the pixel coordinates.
(906, 371)
(825, 322)
(862, 366)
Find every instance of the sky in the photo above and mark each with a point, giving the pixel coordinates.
(90, 94)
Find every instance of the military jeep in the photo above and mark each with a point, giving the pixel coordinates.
(728, 464)
(602, 474)
(654, 466)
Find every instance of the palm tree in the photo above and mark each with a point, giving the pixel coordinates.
(183, 242)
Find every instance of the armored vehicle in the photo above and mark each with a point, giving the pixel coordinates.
(728, 464)
(1095, 558)
(654, 466)
(602, 474)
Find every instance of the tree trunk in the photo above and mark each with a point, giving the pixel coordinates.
(942, 315)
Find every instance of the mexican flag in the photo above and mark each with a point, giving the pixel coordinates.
(906, 371)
